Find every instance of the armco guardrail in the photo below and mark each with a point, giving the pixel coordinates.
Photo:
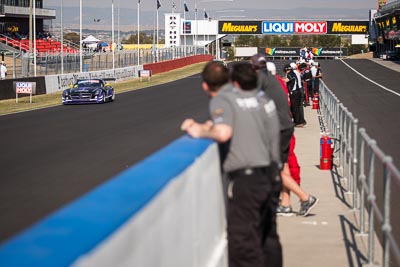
(359, 157)
(166, 211)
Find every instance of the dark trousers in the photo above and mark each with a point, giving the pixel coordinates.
(253, 198)
(297, 107)
(315, 85)
(310, 90)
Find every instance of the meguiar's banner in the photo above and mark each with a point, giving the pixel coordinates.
(239, 27)
(347, 27)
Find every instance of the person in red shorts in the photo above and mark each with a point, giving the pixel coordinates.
(294, 166)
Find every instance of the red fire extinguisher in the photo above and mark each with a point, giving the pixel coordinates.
(315, 102)
(326, 153)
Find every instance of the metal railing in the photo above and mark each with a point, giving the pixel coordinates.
(358, 153)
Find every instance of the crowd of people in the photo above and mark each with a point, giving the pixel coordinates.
(302, 80)
(253, 114)
(16, 35)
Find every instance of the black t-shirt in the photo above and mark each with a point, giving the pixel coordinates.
(307, 75)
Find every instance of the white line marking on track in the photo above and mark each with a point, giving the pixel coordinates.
(381, 86)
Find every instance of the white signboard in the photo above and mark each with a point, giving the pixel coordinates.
(144, 74)
(24, 88)
(172, 29)
(245, 51)
(358, 39)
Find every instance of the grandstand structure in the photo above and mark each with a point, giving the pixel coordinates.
(15, 17)
(387, 30)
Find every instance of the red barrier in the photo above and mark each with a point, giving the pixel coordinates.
(165, 66)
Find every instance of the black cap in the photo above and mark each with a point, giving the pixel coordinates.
(287, 67)
(258, 61)
(302, 66)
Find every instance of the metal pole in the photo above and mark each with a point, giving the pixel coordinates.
(204, 37)
(363, 179)
(217, 48)
(386, 227)
(118, 41)
(355, 163)
(34, 39)
(157, 59)
(138, 33)
(197, 28)
(112, 33)
(371, 200)
(153, 50)
(30, 34)
(15, 64)
(62, 38)
(80, 36)
(184, 32)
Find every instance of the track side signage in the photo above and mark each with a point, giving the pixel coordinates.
(295, 51)
(297, 27)
(293, 27)
(239, 27)
(24, 88)
(348, 27)
(274, 27)
(307, 27)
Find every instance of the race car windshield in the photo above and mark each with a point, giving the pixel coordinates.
(89, 83)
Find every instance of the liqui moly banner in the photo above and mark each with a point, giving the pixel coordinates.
(307, 27)
(296, 27)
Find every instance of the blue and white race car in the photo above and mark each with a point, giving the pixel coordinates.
(89, 91)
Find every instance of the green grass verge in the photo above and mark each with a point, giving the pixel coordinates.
(42, 101)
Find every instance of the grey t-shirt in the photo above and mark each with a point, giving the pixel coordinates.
(256, 131)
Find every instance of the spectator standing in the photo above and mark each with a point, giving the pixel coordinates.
(3, 70)
(316, 76)
(297, 70)
(247, 125)
(295, 94)
(303, 53)
(310, 55)
(294, 166)
(307, 78)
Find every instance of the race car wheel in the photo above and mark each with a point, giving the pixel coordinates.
(104, 97)
(113, 97)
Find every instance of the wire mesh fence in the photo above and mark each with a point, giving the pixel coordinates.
(26, 65)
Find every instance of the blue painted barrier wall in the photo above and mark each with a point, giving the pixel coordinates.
(167, 210)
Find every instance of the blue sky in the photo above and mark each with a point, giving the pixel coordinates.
(217, 9)
(166, 5)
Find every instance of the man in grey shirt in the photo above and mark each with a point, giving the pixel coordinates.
(246, 125)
